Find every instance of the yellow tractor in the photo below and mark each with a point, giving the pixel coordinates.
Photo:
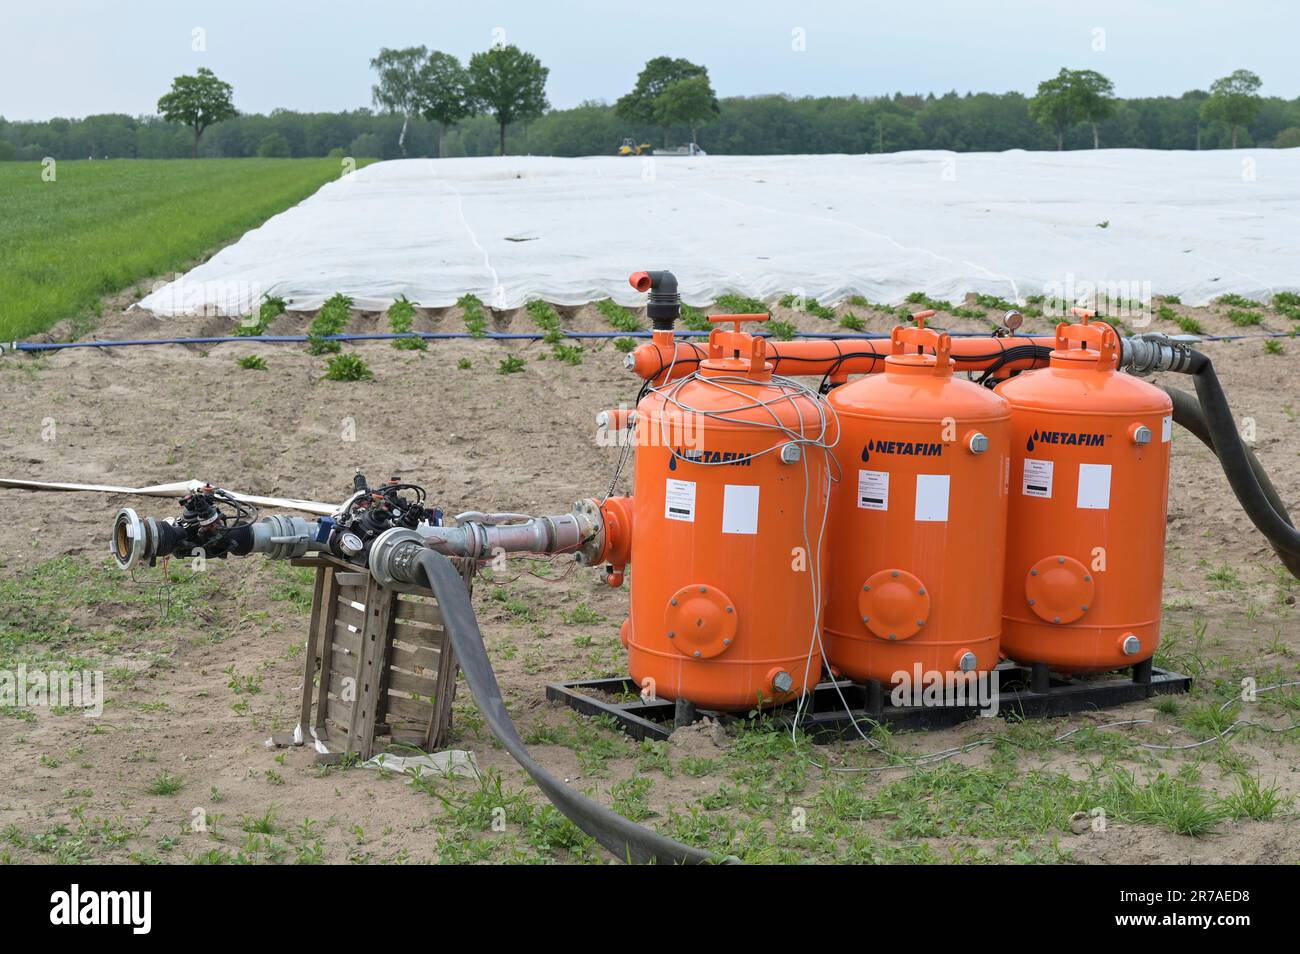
(630, 148)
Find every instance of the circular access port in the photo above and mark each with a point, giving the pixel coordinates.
(129, 540)
(1059, 589)
(700, 621)
(894, 604)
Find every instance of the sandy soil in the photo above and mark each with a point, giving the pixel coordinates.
(476, 439)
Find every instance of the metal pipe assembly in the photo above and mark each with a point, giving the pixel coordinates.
(907, 517)
(213, 524)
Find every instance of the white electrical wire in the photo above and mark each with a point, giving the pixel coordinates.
(791, 391)
(628, 444)
(931, 758)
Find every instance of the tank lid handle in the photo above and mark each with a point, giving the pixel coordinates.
(1096, 341)
(940, 343)
(736, 350)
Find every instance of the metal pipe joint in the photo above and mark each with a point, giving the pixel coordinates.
(1155, 351)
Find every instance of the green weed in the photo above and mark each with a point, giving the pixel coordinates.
(1253, 800)
(619, 317)
(401, 318)
(781, 330)
(270, 309)
(472, 312)
(347, 367)
(729, 304)
(332, 318)
(695, 320)
(165, 784)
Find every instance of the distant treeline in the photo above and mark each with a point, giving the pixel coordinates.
(752, 125)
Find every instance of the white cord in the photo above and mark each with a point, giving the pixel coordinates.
(939, 756)
(791, 391)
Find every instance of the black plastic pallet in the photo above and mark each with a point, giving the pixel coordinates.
(838, 707)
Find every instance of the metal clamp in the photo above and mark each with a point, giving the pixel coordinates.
(1156, 351)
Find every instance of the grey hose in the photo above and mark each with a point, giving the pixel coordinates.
(627, 840)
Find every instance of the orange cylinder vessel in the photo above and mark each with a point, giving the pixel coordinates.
(725, 587)
(1086, 523)
(918, 519)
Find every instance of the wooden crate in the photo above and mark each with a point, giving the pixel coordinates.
(378, 663)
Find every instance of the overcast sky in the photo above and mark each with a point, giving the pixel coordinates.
(66, 58)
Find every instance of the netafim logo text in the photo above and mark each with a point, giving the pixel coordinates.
(24, 688)
(1066, 438)
(906, 448)
(935, 688)
(103, 907)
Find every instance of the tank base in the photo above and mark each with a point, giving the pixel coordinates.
(1032, 692)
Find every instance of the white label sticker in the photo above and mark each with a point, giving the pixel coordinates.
(679, 500)
(1094, 487)
(1166, 429)
(740, 508)
(1038, 478)
(873, 490)
(932, 497)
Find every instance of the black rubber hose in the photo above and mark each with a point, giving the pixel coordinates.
(627, 840)
(1243, 472)
(1188, 414)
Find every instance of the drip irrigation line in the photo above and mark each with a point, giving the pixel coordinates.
(941, 755)
(37, 346)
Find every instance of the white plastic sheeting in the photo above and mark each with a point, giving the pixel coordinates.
(1133, 222)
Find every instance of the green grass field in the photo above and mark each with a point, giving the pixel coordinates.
(102, 226)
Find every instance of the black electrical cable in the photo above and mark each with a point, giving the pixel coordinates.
(1019, 352)
(1016, 353)
(627, 840)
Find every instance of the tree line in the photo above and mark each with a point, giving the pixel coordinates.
(430, 104)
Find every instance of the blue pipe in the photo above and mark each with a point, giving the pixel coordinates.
(489, 335)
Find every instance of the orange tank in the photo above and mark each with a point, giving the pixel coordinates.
(725, 587)
(1086, 524)
(918, 519)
